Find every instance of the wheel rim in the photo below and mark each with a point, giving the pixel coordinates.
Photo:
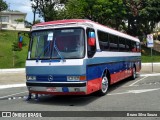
(104, 84)
(134, 73)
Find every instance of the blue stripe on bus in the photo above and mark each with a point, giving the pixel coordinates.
(93, 68)
(96, 71)
(57, 70)
(100, 60)
(56, 78)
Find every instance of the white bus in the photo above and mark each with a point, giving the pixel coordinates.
(79, 57)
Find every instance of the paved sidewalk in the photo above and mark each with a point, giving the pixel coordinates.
(12, 78)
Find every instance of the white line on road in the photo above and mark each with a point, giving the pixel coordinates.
(135, 91)
(154, 74)
(13, 95)
(12, 86)
(138, 81)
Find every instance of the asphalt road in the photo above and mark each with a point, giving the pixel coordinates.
(142, 94)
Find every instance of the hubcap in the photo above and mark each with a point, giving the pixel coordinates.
(104, 84)
(134, 73)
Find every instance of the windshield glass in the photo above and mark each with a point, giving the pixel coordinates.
(57, 44)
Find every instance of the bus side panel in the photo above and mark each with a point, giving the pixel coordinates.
(118, 71)
(94, 73)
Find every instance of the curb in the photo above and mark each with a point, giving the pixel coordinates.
(12, 70)
(12, 86)
(150, 64)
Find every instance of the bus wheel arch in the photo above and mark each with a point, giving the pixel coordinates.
(105, 82)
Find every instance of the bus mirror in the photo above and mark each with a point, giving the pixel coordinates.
(91, 39)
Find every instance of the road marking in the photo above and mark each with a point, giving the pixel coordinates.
(135, 91)
(154, 74)
(12, 86)
(130, 86)
(138, 81)
(13, 95)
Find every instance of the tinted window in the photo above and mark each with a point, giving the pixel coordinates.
(128, 45)
(103, 40)
(133, 46)
(122, 44)
(113, 42)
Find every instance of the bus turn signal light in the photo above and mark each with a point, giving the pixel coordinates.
(82, 77)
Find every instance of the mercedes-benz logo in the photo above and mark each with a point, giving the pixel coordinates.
(50, 77)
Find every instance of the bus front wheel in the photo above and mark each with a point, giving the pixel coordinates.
(104, 86)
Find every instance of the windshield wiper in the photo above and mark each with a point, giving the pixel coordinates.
(43, 51)
(55, 46)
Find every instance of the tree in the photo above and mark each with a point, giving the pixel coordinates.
(37, 21)
(107, 12)
(46, 8)
(34, 4)
(3, 6)
(73, 9)
(136, 17)
(142, 15)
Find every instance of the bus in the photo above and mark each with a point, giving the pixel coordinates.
(79, 57)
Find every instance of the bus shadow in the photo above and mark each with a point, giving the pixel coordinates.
(67, 100)
(121, 83)
(118, 84)
(81, 100)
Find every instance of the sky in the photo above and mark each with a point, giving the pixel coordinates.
(23, 6)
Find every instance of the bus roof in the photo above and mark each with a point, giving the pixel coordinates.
(95, 24)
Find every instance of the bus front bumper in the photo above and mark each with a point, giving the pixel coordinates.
(57, 88)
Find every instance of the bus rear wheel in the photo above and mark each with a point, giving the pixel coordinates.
(133, 77)
(104, 86)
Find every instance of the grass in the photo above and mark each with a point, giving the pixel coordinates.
(6, 54)
(146, 55)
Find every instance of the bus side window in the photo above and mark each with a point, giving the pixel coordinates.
(128, 45)
(122, 44)
(91, 42)
(103, 41)
(113, 42)
(133, 46)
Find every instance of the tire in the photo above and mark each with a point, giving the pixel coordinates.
(104, 86)
(134, 75)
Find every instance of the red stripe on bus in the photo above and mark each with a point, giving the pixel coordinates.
(62, 22)
(120, 75)
(93, 85)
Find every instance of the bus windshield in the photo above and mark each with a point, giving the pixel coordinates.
(57, 44)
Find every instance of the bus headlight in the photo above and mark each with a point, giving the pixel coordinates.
(72, 78)
(31, 77)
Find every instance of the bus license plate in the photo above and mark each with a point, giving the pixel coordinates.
(51, 89)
